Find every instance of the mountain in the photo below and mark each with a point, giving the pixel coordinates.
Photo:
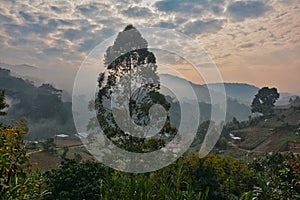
(243, 93)
(41, 106)
(285, 98)
(235, 107)
(34, 75)
(239, 95)
(24, 71)
(20, 68)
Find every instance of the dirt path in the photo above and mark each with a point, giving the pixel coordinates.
(37, 151)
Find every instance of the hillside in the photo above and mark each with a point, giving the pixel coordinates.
(280, 132)
(259, 136)
(41, 106)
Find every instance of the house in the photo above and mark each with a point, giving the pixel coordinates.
(173, 147)
(235, 139)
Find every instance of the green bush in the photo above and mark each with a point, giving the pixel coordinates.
(17, 180)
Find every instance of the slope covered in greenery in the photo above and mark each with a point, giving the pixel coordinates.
(41, 107)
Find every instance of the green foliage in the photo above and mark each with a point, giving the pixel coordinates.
(64, 154)
(224, 176)
(247, 196)
(73, 180)
(49, 145)
(275, 174)
(17, 181)
(91, 180)
(264, 101)
(222, 143)
(212, 177)
(192, 178)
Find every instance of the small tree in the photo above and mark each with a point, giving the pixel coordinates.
(264, 101)
(2, 103)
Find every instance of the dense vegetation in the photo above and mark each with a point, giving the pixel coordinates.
(213, 177)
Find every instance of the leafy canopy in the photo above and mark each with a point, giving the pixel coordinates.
(264, 101)
(132, 83)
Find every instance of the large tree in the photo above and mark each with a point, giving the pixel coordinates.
(132, 84)
(264, 101)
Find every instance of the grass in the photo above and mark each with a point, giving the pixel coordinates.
(252, 137)
(271, 134)
(44, 161)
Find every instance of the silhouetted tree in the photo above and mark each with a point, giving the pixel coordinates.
(264, 101)
(130, 81)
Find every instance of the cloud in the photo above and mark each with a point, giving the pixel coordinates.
(93, 10)
(20, 42)
(31, 25)
(199, 27)
(78, 32)
(136, 11)
(191, 7)
(59, 9)
(247, 45)
(240, 10)
(27, 17)
(59, 22)
(165, 24)
(88, 45)
(72, 34)
(5, 19)
(178, 6)
(87, 10)
(34, 30)
(92, 41)
(52, 51)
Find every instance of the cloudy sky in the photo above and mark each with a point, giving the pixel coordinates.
(255, 42)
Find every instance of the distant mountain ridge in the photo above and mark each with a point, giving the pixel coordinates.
(24, 71)
(32, 74)
(239, 95)
(241, 92)
(234, 107)
(20, 66)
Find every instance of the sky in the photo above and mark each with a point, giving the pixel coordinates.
(254, 42)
